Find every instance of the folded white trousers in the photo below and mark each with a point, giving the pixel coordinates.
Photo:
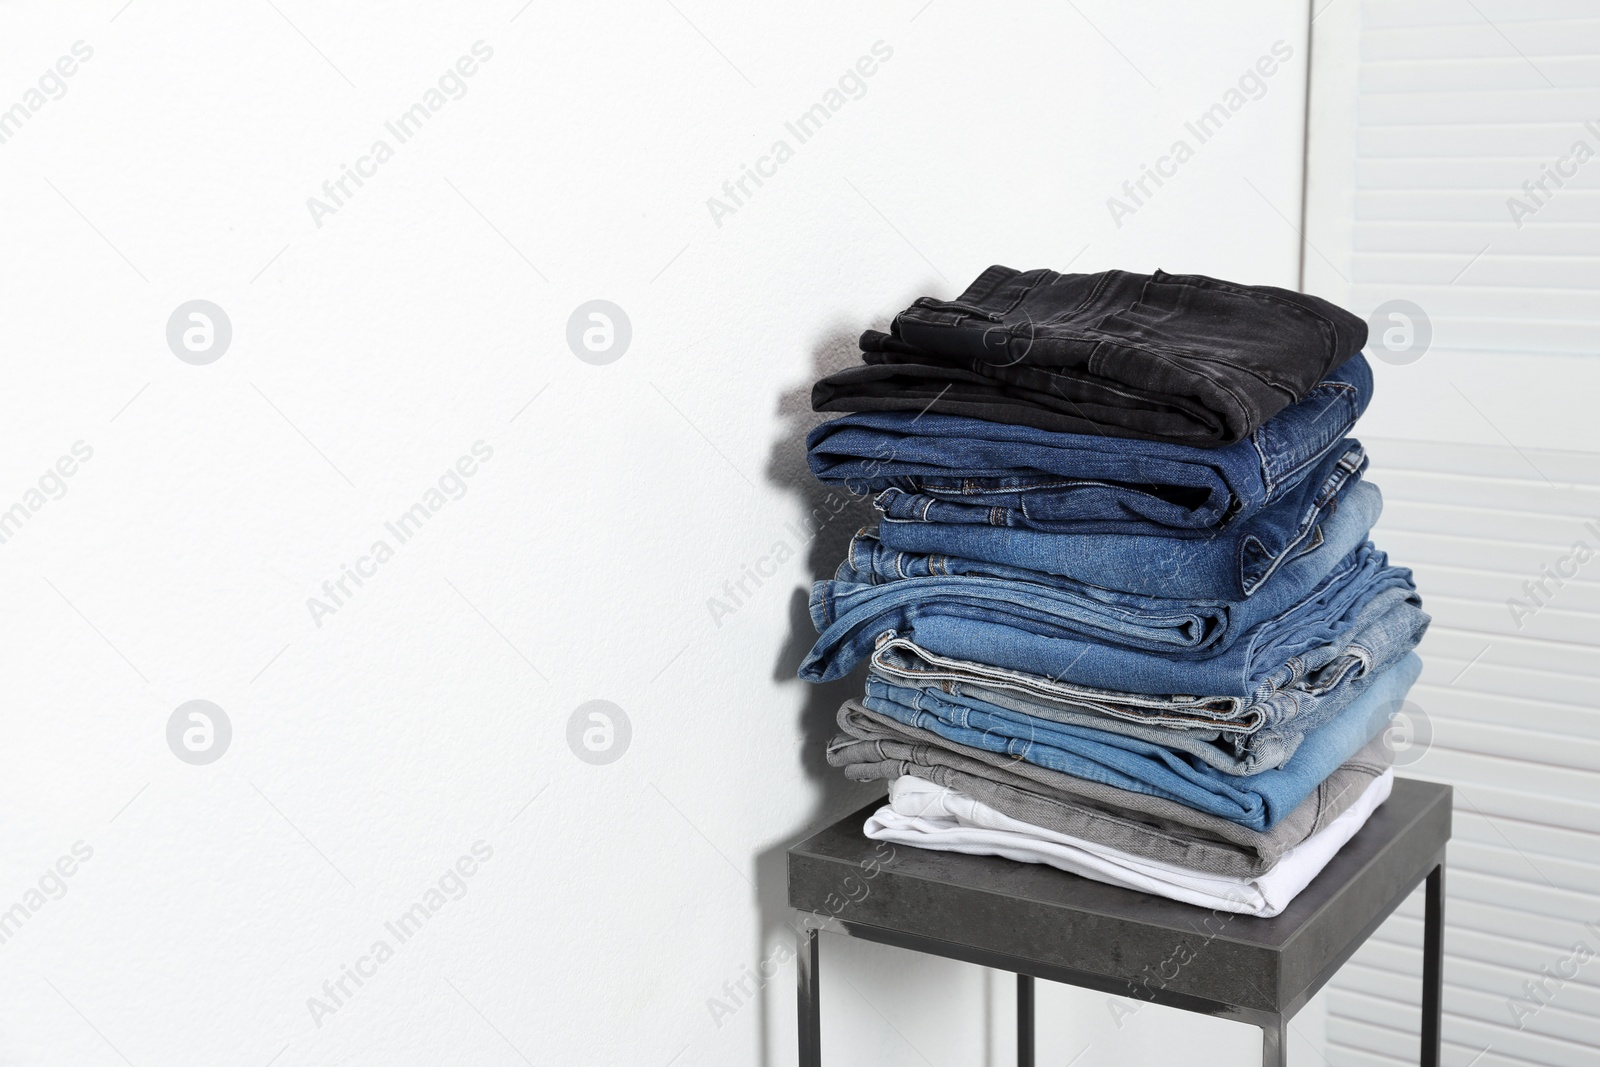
(925, 815)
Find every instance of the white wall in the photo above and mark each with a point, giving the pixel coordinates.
(375, 745)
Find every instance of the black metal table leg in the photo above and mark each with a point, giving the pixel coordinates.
(1433, 969)
(810, 1001)
(1275, 1043)
(1024, 1020)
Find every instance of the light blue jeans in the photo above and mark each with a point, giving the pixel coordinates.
(1363, 608)
(1256, 801)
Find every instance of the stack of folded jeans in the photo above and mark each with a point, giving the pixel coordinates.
(1120, 613)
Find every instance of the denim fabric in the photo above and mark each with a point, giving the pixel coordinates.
(873, 747)
(959, 469)
(1232, 565)
(1163, 357)
(1103, 642)
(1296, 688)
(1297, 698)
(1199, 626)
(1219, 745)
(1256, 801)
(902, 662)
(1200, 742)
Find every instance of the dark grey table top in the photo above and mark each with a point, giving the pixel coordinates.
(1035, 919)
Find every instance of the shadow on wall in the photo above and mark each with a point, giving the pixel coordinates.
(830, 517)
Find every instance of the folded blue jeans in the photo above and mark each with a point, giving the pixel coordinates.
(1156, 647)
(1082, 633)
(1255, 801)
(1195, 626)
(903, 662)
(1234, 564)
(1285, 683)
(1287, 692)
(1220, 744)
(972, 470)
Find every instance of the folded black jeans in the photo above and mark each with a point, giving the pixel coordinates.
(1181, 358)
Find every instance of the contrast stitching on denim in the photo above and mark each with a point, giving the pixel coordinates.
(1099, 287)
(1248, 585)
(1069, 332)
(1324, 325)
(970, 305)
(1325, 501)
(1176, 360)
(1272, 479)
(1022, 289)
(1114, 386)
(1104, 699)
(1164, 352)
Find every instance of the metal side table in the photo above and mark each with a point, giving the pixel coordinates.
(1039, 922)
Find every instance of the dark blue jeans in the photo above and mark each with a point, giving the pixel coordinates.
(951, 469)
(1234, 564)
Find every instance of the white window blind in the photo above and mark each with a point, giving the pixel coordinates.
(1445, 170)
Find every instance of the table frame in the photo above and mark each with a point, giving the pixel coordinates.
(1274, 1025)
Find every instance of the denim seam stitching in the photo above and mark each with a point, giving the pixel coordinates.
(1257, 438)
(1325, 326)
(1174, 360)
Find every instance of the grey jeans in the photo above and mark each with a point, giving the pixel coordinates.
(874, 746)
(1204, 727)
